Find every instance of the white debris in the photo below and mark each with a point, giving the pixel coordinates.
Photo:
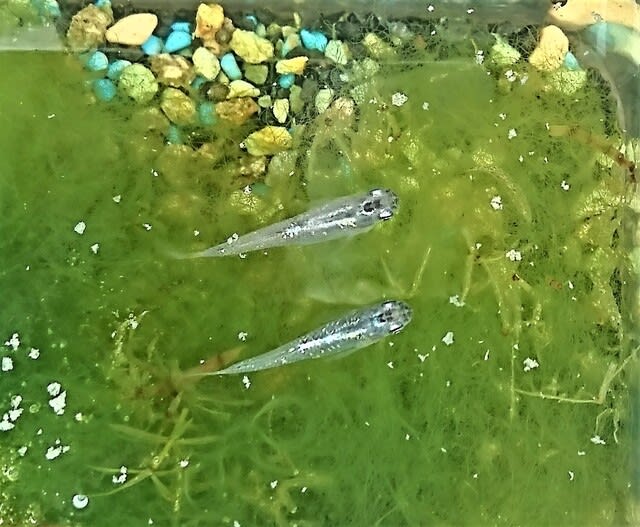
(80, 501)
(303, 490)
(6, 364)
(512, 133)
(80, 227)
(425, 106)
(530, 364)
(147, 226)
(582, 453)
(246, 382)
(242, 336)
(455, 300)
(496, 203)
(422, 357)
(95, 247)
(486, 355)
(232, 238)
(184, 463)
(564, 185)
(117, 198)
(571, 475)
(6, 424)
(120, 478)
(399, 98)
(54, 388)
(56, 450)
(510, 75)
(597, 440)
(34, 353)
(13, 342)
(514, 255)
(448, 338)
(58, 403)
(274, 483)
(390, 364)
(479, 56)
(22, 451)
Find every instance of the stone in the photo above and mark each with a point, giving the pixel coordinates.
(242, 89)
(236, 111)
(230, 66)
(551, 49)
(256, 73)
(338, 52)
(268, 141)
(295, 65)
(323, 99)
(313, 40)
(250, 47)
(132, 30)
(206, 63)
(138, 82)
(177, 40)
(575, 15)
(88, 27)
(173, 70)
(178, 107)
(209, 20)
(281, 110)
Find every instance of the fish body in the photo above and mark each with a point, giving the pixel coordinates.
(353, 331)
(334, 219)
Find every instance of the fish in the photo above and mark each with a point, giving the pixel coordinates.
(355, 330)
(337, 218)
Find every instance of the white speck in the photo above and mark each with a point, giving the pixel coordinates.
(390, 139)
(512, 133)
(570, 284)
(524, 79)
(422, 357)
(390, 364)
(303, 490)
(486, 355)
(79, 417)
(514, 255)
(521, 159)
(246, 382)
(274, 483)
(530, 364)
(13, 342)
(582, 453)
(407, 437)
(564, 185)
(425, 106)
(470, 10)
(34, 353)
(455, 300)
(15, 414)
(51, 116)
(448, 338)
(247, 190)
(94, 248)
(597, 440)
(443, 450)
(366, 423)
(56, 450)
(54, 388)
(399, 98)
(236, 523)
(147, 226)
(475, 476)
(184, 463)
(154, 172)
(58, 403)
(6, 424)
(571, 475)
(430, 8)
(479, 56)
(502, 116)
(232, 238)
(242, 336)
(22, 450)
(117, 198)
(120, 478)
(510, 75)
(196, 232)
(80, 227)
(496, 203)
(80, 501)
(7, 364)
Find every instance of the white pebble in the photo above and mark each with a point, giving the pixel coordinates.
(7, 364)
(398, 99)
(530, 364)
(496, 203)
(514, 255)
(13, 342)
(34, 353)
(512, 133)
(94, 248)
(448, 338)
(80, 227)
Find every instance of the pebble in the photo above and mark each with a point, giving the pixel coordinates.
(281, 110)
(264, 101)
(152, 46)
(88, 27)
(181, 26)
(206, 113)
(206, 63)
(571, 62)
(116, 67)
(337, 51)
(198, 82)
(176, 41)
(178, 107)
(230, 67)
(240, 88)
(97, 61)
(104, 89)
(295, 99)
(209, 20)
(47, 8)
(172, 70)
(132, 30)
(291, 42)
(286, 81)
(174, 135)
(236, 111)
(250, 47)
(313, 40)
(295, 65)
(575, 15)
(551, 50)
(377, 47)
(323, 99)
(502, 54)
(138, 82)
(256, 73)
(268, 141)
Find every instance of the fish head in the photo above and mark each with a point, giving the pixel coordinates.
(379, 204)
(392, 316)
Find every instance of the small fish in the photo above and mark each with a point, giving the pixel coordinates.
(353, 331)
(337, 218)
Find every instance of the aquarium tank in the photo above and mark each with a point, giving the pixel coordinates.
(428, 209)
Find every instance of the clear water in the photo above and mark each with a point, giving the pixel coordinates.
(411, 431)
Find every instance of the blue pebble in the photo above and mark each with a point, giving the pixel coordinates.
(152, 46)
(174, 135)
(252, 19)
(176, 41)
(116, 67)
(571, 62)
(286, 80)
(230, 67)
(46, 8)
(105, 89)
(102, 3)
(181, 26)
(198, 82)
(313, 40)
(97, 61)
(206, 113)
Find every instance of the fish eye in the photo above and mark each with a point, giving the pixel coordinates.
(370, 206)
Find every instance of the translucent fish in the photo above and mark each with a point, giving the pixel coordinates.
(340, 217)
(353, 331)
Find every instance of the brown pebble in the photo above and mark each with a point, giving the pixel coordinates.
(218, 92)
(88, 27)
(237, 111)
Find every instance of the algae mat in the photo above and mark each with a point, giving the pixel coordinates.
(505, 246)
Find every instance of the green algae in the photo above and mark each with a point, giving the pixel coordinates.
(409, 432)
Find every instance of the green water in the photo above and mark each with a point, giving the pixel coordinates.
(408, 432)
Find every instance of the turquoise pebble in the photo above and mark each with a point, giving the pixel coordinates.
(206, 113)
(230, 67)
(47, 8)
(174, 135)
(176, 41)
(115, 68)
(313, 40)
(102, 3)
(105, 89)
(252, 19)
(181, 26)
(152, 46)
(571, 62)
(97, 61)
(198, 82)
(286, 80)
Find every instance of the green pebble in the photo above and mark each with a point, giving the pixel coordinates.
(138, 82)
(295, 100)
(257, 74)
